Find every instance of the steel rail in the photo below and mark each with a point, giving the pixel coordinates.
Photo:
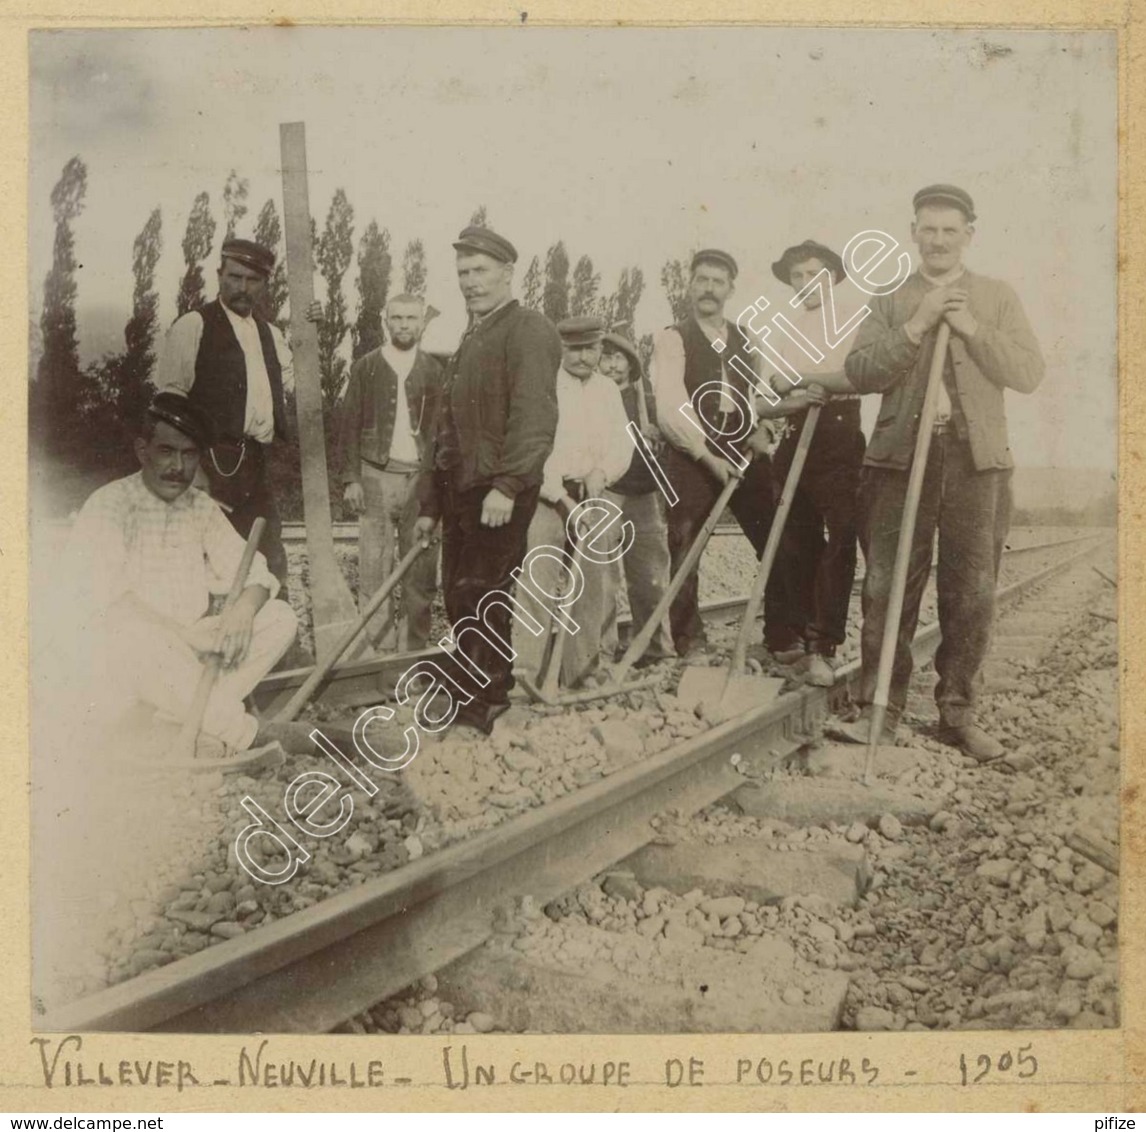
(315, 968)
(361, 682)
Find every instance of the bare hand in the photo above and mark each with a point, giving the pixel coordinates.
(203, 636)
(653, 435)
(959, 316)
(354, 498)
(720, 470)
(931, 309)
(816, 394)
(314, 311)
(595, 484)
(760, 441)
(424, 529)
(235, 629)
(496, 509)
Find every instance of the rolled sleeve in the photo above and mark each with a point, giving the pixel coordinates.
(224, 548)
(675, 416)
(175, 371)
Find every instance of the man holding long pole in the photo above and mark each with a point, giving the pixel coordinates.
(966, 488)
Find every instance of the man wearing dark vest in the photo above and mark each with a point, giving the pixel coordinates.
(967, 483)
(232, 364)
(684, 361)
(383, 435)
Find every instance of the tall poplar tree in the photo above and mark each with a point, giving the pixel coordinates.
(374, 267)
(197, 243)
(334, 253)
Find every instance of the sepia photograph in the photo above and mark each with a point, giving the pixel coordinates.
(573, 531)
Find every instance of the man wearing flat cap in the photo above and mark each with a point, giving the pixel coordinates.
(145, 556)
(591, 450)
(232, 365)
(646, 562)
(483, 472)
(816, 562)
(967, 488)
(684, 362)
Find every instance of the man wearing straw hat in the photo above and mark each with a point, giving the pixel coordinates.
(966, 492)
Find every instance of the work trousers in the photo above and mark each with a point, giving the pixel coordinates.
(753, 506)
(155, 666)
(645, 566)
(477, 561)
(972, 512)
(594, 611)
(816, 563)
(238, 478)
(385, 535)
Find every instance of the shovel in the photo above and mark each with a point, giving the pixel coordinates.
(637, 646)
(903, 548)
(319, 673)
(722, 694)
(549, 692)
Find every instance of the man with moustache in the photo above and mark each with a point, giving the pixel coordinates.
(388, 416)
(967, 486)
(146, 554)
(482, 475)
(591, 450)
(684, 360)
(232, 364)
(814, 573)
(646, 562)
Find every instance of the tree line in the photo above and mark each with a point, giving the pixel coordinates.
(80, 416)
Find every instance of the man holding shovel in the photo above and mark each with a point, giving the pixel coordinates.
(813, 572)
(966, 491)
(683, 363)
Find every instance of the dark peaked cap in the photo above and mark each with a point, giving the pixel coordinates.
(250, 254)
(178, 412)
(715, 255)
(809, 249)
(486, 242)
(945, 194)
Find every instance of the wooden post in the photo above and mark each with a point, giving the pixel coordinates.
(331, 603)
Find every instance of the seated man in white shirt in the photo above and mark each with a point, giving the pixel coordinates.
(591, 450)
(145, 556)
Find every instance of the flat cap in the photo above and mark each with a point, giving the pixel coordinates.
(809, 249)
(174, 409)
(950, 195)
(486, 242)
(584, 330)
(621, 343)
(250, 254)
(715, 255)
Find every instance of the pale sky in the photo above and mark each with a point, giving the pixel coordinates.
(631, 145)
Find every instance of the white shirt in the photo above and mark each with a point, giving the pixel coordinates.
(176, 370)
(666, 372)
(591, 434)
(403, 445)
(171, 556)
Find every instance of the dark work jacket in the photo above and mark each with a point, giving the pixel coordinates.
(370, 405)
(1002, 355)
(220, 386)
(638, 479)
(498, 413)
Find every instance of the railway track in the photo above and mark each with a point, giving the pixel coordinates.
(361, 682)
(313, 969)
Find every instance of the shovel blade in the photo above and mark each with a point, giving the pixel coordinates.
(718, 697)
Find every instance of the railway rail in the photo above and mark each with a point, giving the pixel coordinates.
(312, 970)
(361, 682)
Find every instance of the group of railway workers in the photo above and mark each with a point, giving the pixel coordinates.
(525, 422)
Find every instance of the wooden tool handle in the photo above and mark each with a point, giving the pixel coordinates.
(299, 700)
(641, 641)
(903, 548)
(772, 546)
(185, 745)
